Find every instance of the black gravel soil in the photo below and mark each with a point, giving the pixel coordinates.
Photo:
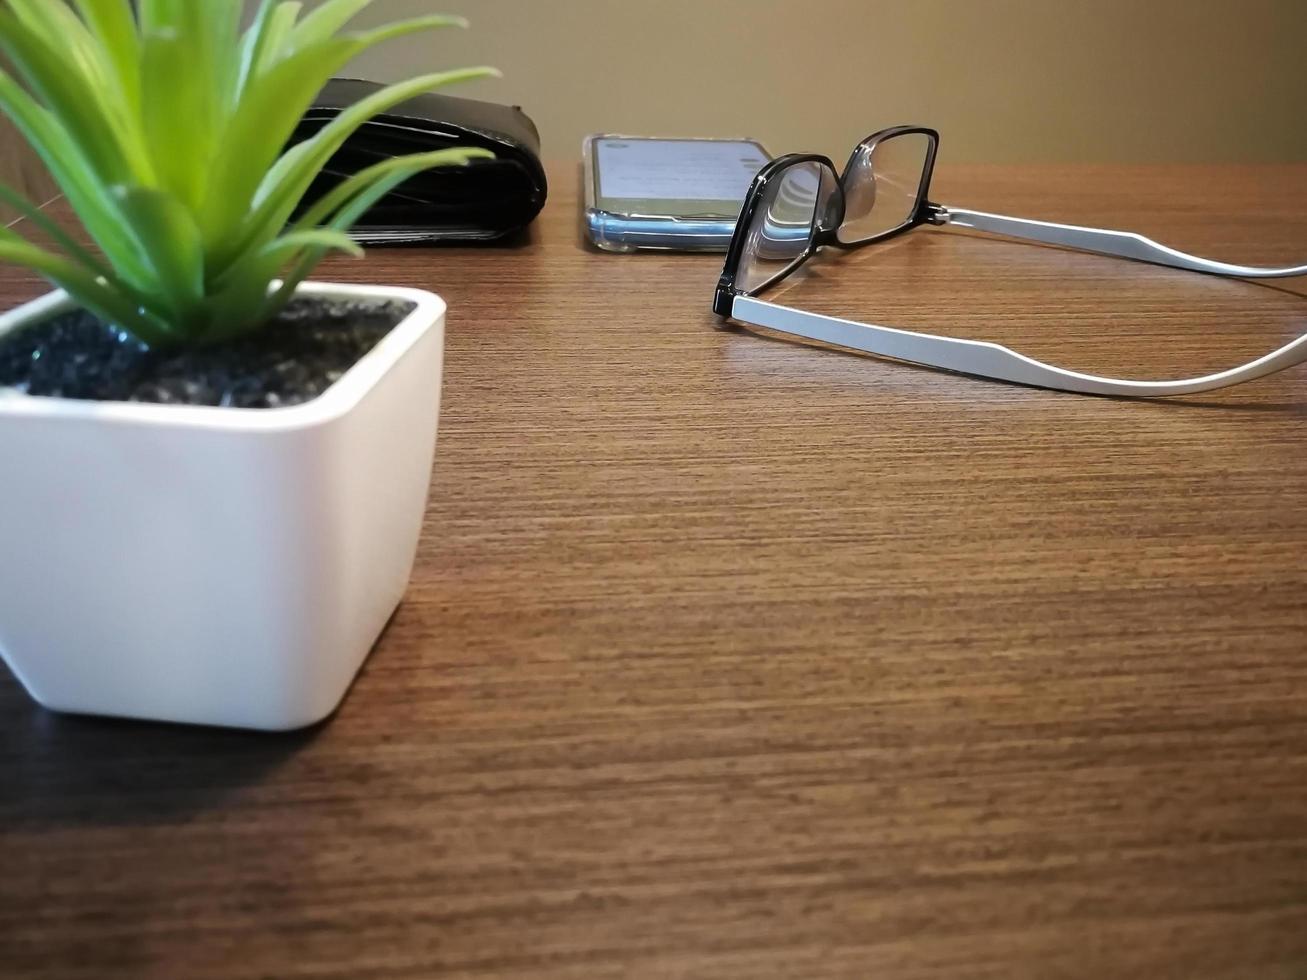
(292, 360)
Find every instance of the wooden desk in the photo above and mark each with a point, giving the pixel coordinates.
(730, 657)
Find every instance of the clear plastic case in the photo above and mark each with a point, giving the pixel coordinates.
(632, 230)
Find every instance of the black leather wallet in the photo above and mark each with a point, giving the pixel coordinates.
(484, 201)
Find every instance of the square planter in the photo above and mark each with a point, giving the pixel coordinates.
(218, 566)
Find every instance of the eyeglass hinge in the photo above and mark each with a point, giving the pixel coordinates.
(724, 299)
(937, 214)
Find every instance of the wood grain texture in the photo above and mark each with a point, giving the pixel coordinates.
(21, 170)
(732, 657)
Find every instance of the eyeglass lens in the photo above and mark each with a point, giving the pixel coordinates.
(783, 223)
(882, 186)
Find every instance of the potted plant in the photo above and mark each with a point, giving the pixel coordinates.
(214, 471)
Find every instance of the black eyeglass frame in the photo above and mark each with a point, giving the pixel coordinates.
(924, 212)
(971, 357)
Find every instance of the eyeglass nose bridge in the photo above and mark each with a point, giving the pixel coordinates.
(859, 181)
(831, 207)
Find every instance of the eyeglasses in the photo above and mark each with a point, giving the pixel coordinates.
(797, 204)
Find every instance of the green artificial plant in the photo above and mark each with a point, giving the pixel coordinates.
(166, 128)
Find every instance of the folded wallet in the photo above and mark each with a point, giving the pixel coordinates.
(481, 202)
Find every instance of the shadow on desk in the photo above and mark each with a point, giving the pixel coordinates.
(73, 771)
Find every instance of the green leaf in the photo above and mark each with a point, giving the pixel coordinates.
(111, 21)
(367, 183)
(207, 30)
(242, 305)
(167, 130)
(156, 15)
(333, 15)
(109, 304)
(325, 21)
(286, 246)
(85, 60)
(174, 245)
(350, 200)
(250, 51)
(57, 26)
(53, 22)
(290, 177)
(75, 97)
(388, 32)
(258, 130)
(178, 117)
(273, 105)
(268, 260)
(277, 34)
(217, 26)
(76, 177)
(72, 249)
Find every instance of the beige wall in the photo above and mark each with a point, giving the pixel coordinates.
(1100, 80)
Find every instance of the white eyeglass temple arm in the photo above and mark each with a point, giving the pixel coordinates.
(992, 360)
(1123, 243)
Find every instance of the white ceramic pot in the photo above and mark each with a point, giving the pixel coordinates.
(217, 566)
